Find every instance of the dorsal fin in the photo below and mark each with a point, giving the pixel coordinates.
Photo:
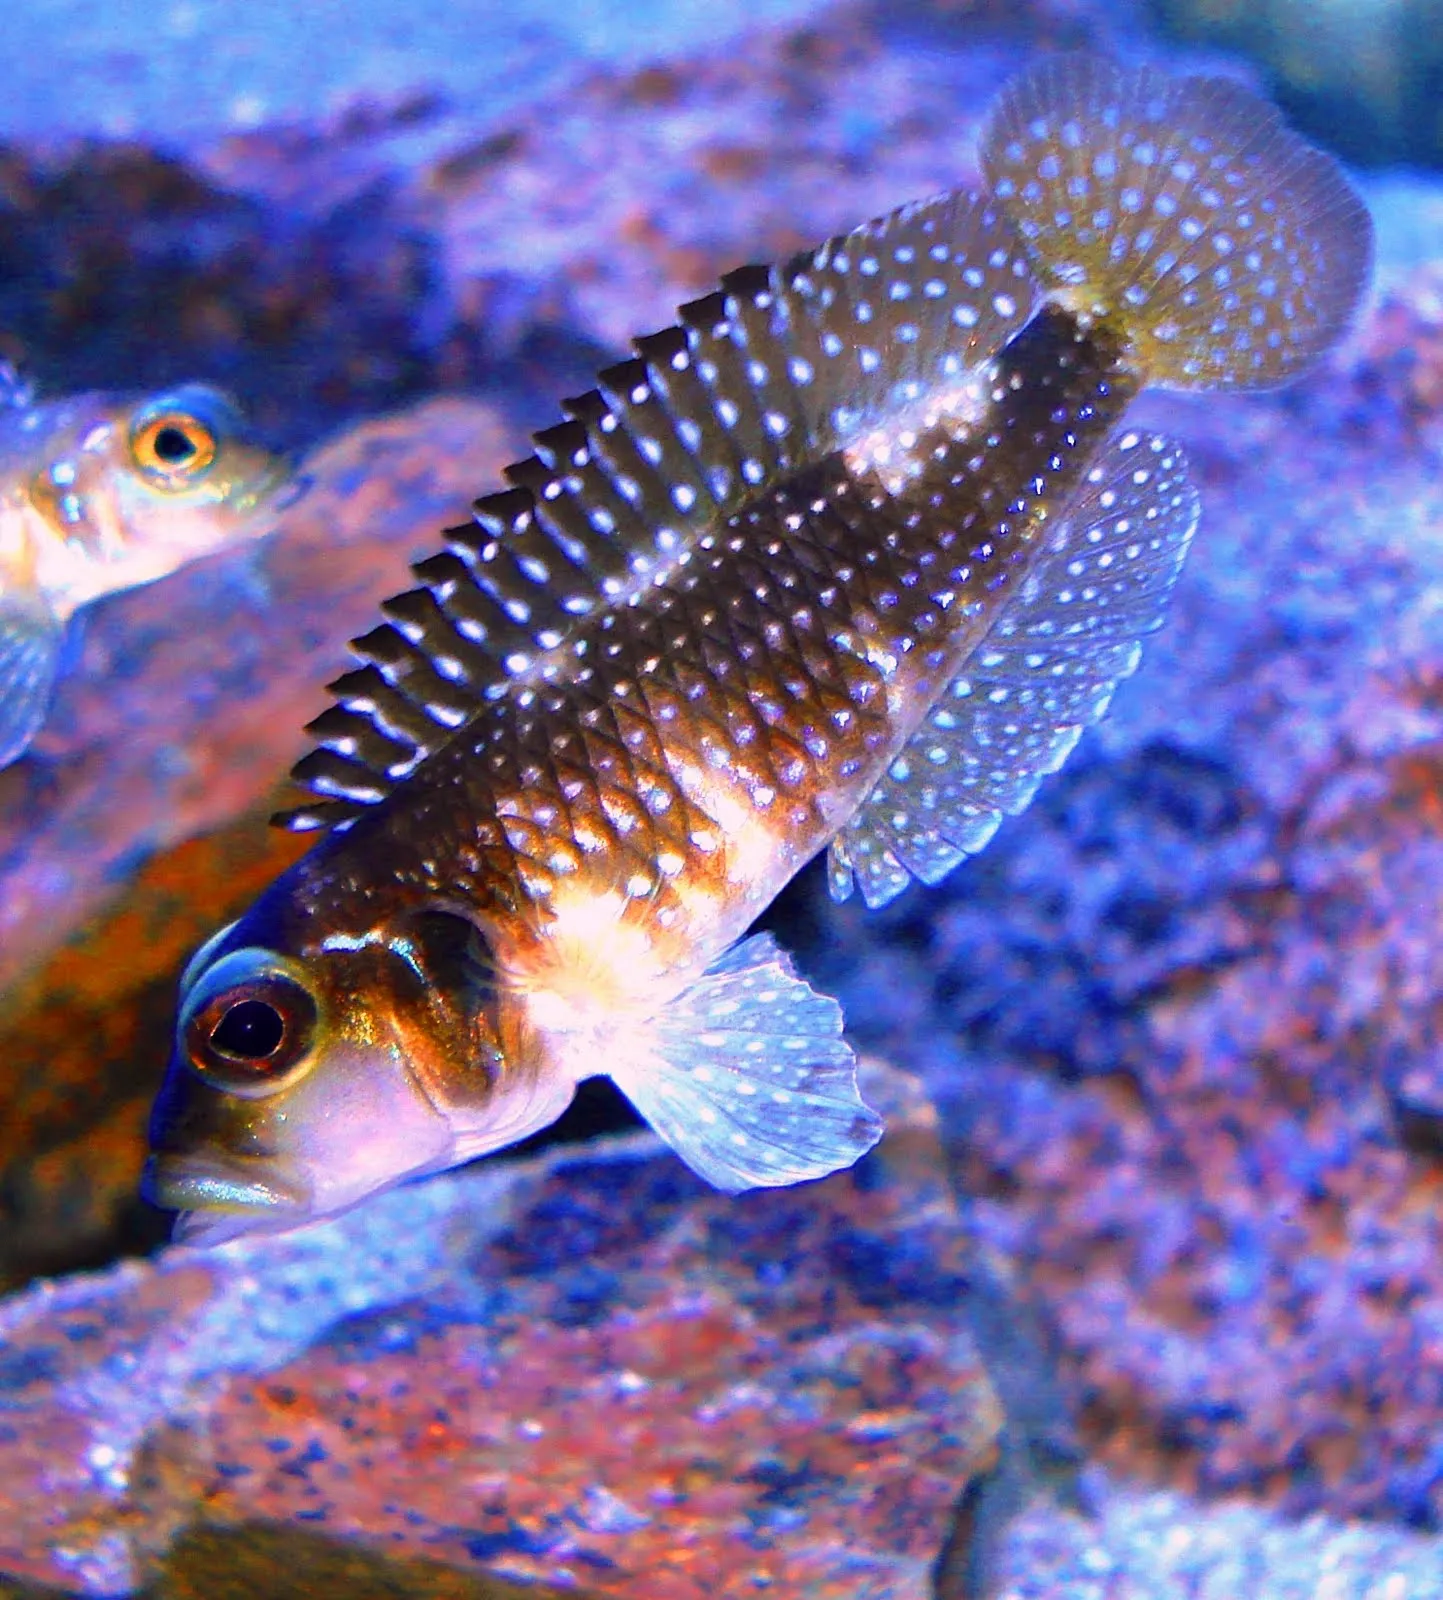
(776, 370)
(1046, 670)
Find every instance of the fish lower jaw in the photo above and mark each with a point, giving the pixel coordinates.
(190, 1186)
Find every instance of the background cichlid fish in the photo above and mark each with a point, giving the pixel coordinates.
(101, 492)
(846, 560)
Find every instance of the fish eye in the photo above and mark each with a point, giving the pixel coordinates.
(248, 1037)
(249, 1031)
(172, 446)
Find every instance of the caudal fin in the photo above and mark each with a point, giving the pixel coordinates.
(1182, 211)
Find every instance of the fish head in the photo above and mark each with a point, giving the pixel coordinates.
(189, 450)
(305, 1078)
(141, 486)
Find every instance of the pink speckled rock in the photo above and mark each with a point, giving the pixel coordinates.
(586, 1370)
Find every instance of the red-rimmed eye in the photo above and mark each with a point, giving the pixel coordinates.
(248, 1035)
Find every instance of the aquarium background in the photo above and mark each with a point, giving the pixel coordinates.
(1142, 1296)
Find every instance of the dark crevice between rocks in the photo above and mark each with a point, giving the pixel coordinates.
(1039, 1455)
(263, 1561)
(966, 1567)
(138, 1229)
(599, 1107)
(1415, 1099)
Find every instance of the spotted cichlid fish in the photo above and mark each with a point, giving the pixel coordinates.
(846, 560)
(101, 492)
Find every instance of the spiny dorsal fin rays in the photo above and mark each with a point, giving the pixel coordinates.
(779, 368)
(1047, 669)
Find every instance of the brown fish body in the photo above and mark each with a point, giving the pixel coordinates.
(848, 559)
(619, 822)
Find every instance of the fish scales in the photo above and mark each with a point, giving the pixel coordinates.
(759, 378)
(732, 712)
(846, 560)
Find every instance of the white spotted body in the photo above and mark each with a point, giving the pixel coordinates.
(847, 560)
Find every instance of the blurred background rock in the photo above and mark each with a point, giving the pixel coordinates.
(1362, 76)
(1180, 1023)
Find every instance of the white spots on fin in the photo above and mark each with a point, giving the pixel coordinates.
(763, 377)
(882, 317)
(747, 1077)
(1231, 251)
(1046, 670)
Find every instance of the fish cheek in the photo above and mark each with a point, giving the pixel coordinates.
(357, 1119)
(193, 1118)
(360, 1120)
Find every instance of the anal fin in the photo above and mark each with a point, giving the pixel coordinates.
(1046, 670)
(747, 1077)
(30, 647)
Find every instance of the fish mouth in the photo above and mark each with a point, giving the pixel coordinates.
(218, 1201)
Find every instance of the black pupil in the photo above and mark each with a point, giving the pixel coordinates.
(173, 445)
(250, 1031)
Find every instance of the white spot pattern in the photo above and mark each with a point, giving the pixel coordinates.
(1238, 251)
(1047, 669)
(747, 1077)
(765, 376)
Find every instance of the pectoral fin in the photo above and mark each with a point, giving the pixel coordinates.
(747, 1077)
(30, 640)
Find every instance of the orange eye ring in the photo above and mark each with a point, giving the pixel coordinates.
(252, 1035)
(173, 447)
